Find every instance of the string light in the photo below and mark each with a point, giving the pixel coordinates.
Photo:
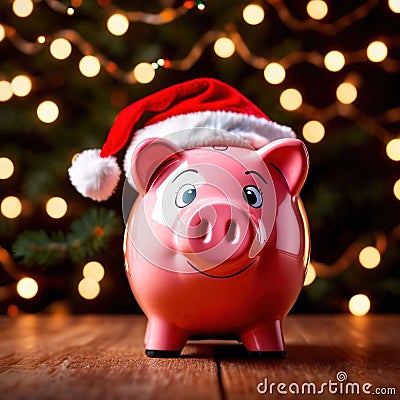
(201, 6)
(89, 66)
(253, 14)
(393, 149)
(394, 5)
(369, 257)
(327, 29)
(118, 24)
(396, 189)
(334, 61)
(346, 93)
(60, 48)
(11, 207)
(310, 275)
(21, 85)
(2, 32)
(22, 8)
(144, 72)
(41, 39)
(56, 207)
(6, 91)
(47, 111)
(359, 305)
(27, 288)
(70, 11)
(88, 288)
(274, 73)
(93, 270)
(291, 99)
(313, 131)
(317, 9)
(6, 168)
(377, 51)
(224, 47)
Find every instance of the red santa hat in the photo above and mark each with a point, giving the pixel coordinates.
(232, 119)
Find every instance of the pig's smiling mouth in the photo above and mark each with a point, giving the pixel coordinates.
(225, 276)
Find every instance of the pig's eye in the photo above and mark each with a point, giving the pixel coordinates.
(185, 195)
(253, 196)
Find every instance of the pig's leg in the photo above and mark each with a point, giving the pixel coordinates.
(164, 340)
(265, 340)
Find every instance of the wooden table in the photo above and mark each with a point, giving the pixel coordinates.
(101, 357)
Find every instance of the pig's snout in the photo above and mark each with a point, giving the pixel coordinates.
(216, 233)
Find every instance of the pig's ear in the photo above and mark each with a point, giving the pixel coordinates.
(148, 157)
(290, 157)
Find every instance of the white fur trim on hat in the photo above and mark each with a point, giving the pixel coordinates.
(93, 176)
(226, 128)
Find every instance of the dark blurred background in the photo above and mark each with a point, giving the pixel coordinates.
(352, 194)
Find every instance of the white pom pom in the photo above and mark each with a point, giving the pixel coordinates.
(93, 176)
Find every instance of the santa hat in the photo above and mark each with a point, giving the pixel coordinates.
(232, 119)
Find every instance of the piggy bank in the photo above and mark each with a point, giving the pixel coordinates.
(217, 242)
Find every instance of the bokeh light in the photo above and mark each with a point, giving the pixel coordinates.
(88, 288)
(93, 270)
(396, 189)
(377, 51)
(310, 275)
(118, 24)
(60, 48)
(6, 168)
(27, 288)
(359, 304)
(56, 207)
(274, 73)
(253, 14)
(334, 61)
(313, 131)
(6, 91)
(47, 111)
(144, 72)
(394, 5)
(21, 85)
(224, 47)
(317, 9)
(89, 66)
(11, 207)
(291, 99)
(346, 93)
(22, 8)
(41, 39)
(2, 32)
(393, 149)
(12, 311)
(369, 257)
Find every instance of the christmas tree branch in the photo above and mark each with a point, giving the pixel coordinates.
(88, 235)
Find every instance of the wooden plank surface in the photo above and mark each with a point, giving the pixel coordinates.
(366, 349)
(96, 357)
(101, 357)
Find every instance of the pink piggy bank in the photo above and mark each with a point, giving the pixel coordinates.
(217, 242)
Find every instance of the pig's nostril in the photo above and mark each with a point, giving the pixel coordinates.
(232, 232)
